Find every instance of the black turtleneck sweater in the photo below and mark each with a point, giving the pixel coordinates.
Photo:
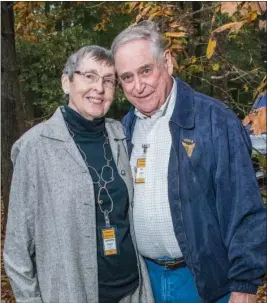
(117, 274)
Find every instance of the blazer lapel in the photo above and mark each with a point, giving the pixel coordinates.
(56, 129)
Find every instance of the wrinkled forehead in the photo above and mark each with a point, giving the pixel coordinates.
(102, 67)
(133, 55)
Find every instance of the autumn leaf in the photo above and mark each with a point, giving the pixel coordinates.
(262, 6)
(211, 48)
(176, 35)
(145, 10)
(216, 67)
(133, 5)
(158, 13)
(257, 6)
(154, 10)
(138, 18)
(19, 5)
(168, 12)
(176, 47)
(263, 25)
(257, 120)
(193, 59)
(234, 26)
(252, 16)
(245, 88)
(18, 26)
(229, 7)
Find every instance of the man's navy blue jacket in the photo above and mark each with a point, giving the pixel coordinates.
(217, 212)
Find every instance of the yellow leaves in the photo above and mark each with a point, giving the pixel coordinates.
(193, 60)
(175, 35)
(143, 11)
(168, 12)
(262, 87)
(247, 12)
(252, 16)
(245, 88)
(216, 67)
(175, 45)
(154, 12)
(102, 26)
(132, 5)
(211, 48)
(19, 5)
(174, 25)
(248, 7)
(18, 26)
(99, 27)
(234, 26)
(158, 13)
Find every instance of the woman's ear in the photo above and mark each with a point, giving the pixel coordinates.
(168, 61)
(65, 83)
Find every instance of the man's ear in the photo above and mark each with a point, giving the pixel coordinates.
(65, 83)
(168, 61)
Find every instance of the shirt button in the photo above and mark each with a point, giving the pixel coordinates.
(123, 172)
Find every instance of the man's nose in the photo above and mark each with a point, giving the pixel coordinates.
(138, 85)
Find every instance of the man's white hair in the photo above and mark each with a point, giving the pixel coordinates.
(145, 30)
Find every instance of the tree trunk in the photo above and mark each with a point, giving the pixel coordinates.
(12, 122)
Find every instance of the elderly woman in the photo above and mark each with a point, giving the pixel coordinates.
(68, 238)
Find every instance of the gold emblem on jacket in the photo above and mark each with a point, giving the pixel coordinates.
(189, 146)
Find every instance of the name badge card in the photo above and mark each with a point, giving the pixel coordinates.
(140, 170)
(109, 241)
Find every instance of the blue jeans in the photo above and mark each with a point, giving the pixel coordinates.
(174, 286)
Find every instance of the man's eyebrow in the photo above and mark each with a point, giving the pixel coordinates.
(125, 74)
(144, 67)
(138, 70)
(93, 71)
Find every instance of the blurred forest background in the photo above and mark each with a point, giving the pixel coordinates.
(219, 48)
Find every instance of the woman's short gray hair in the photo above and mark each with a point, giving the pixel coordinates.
(145, 30)
(96, 52)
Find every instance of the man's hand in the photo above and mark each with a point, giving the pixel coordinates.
(240, 297)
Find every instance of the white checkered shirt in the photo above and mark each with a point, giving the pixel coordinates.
(151, 213)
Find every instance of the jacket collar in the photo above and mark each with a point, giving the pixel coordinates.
(183, 113)
(184, 110)
(55, 127)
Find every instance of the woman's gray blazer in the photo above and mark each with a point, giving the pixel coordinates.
(50, 249)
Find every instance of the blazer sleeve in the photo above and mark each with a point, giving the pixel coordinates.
(240, 209)
(19, 250)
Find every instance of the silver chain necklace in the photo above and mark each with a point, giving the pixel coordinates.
(100, 177)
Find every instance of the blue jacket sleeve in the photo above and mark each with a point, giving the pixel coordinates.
(240, 209)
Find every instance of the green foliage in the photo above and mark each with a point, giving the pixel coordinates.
(69, 27)
(48, 32)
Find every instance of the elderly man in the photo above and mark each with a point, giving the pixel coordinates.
(198, 216)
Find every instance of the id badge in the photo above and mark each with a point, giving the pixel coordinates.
(140, 170)
(109, 239)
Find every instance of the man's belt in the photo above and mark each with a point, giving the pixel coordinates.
(172, 264)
